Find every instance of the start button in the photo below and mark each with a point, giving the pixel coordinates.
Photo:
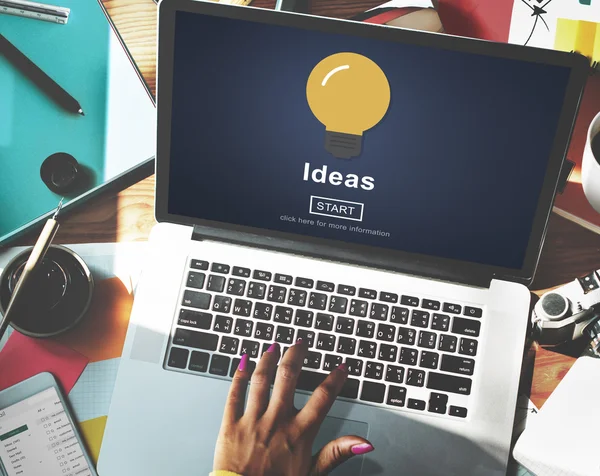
(332, 207)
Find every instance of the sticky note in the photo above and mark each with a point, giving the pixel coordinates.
(92, 432)
(578, 35)
(23, 357)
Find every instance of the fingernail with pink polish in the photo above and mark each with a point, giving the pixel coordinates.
(273, 347)
(343, 367)
(243, 363)
(362, 448)
(299, 341)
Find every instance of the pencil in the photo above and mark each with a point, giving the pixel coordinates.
(38, 77)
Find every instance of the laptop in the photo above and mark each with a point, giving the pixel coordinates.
(381, 193)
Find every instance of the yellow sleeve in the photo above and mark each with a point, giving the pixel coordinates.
(223, 473)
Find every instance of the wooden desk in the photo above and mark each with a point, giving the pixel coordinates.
(569, 249)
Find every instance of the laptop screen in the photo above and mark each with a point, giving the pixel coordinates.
(397, 146)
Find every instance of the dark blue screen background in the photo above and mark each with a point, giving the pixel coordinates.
(458, 160)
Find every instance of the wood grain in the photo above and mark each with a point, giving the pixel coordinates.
(569, 250)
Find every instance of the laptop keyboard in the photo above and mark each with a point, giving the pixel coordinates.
(403, 351)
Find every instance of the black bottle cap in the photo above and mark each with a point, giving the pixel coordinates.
(59, 172)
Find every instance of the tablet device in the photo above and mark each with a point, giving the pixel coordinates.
(37, 432)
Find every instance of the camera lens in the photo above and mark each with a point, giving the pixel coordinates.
(554, 306)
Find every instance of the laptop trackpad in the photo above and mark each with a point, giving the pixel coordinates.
(333, 428)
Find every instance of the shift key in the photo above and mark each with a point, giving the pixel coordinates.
(197, 340)
(449, 383)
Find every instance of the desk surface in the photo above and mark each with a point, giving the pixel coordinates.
(569, 250)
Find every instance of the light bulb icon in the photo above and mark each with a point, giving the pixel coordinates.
(349, 94)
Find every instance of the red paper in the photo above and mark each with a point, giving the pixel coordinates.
(485, 19)
(23, 357)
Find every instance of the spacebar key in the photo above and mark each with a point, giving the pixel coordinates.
(449, 383)
(311, 380)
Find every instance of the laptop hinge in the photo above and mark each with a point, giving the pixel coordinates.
(415, 268)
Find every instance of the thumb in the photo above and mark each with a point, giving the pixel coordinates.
(336, 452)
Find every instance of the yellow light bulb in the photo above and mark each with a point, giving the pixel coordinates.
(349, 94)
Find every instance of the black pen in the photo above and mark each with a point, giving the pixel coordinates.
(38, 77)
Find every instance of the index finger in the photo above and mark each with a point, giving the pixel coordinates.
(234, 406)
(320, 402)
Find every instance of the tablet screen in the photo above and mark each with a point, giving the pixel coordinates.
(37, 437)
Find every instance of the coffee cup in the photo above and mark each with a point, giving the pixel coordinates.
(590, 167)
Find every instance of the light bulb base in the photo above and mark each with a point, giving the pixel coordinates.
(343, 146)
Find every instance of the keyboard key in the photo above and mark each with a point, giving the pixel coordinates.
(215, 283)
(324, 322)
(264, 331)
(251, 366)
(222, 304)
(447, 343)
(243, 328)
(195, 280)
(415, 404)
(365, 329)
(318, 301)
(199, 320)
(283, 278)
(347, 290)
(261, 275)
(344, 325)
(406, 335)
(394, 374)
(429, 360)
(263, 311)
(430, 304)
(453, 308)
(223, 324)
(236, 286)
(297, 297)
(309, 380)
(409, 300)
(199, 361)
(276, 294)
(198, 340)
(354, 367)
(408, 356)
(312, 360)
(415, 377)
(346, 345)
(457, 365)
(241, 272)
(325, 286)
(307, 336)
(396, 396)
(367, 293)
(388, 297)
(196, 299)
(399, 315)
(427, 340)
(386, 332)
(379, 312)
(284, 335)
(283, 314)
(199, 264)
(358, 308)
(419, 318)
(257, 290)
(472, 311)
(304, 283)
(467, 327)
(229, 345)
(338, 304)
(467, 346)
(372, 392)
(242, 307)
(219, 364)
(178, 358)
(457, 411)
(304, 318)
(367, 349)
(332, 361)
(350, 388)
(374, 370)
(326, 342)
(440, 322)
(250, 347)
(449, 383)
(220, 268)
(387, 353)
(264, 348)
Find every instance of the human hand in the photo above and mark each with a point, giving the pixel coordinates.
(270, 437)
